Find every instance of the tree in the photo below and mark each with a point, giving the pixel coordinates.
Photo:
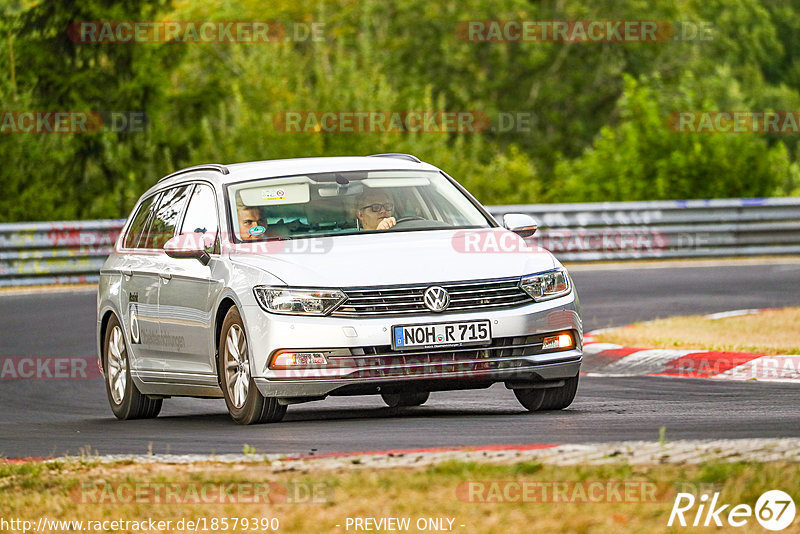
(643, 158)
(58, 73)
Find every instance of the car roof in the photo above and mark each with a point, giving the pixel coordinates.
(252, 170)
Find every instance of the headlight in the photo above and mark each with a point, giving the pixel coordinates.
(547, 285)
(292, 301)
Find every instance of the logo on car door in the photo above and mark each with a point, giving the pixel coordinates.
(134, 323)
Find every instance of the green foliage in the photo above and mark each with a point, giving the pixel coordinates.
(66, 176)
(642, 158)
(600, 111)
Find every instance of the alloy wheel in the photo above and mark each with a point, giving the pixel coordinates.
(117, 365)
(237, 366)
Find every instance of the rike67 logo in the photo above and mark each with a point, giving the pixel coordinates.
(774, 510)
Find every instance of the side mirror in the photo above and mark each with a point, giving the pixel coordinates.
(521, 224)
(190, 245)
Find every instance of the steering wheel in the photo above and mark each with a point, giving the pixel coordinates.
(409, 218)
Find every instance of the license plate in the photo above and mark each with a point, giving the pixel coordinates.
(441, 334)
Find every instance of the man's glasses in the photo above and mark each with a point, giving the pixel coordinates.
(377, 207)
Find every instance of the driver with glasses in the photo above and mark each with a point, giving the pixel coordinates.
(375, 211)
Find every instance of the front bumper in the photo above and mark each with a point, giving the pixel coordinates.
(370, 365)
(529, 374)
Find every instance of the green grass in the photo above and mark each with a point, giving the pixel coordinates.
(769, 332)
(38, 489)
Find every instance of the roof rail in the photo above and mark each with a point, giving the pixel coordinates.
(205, 167)
(407, 157)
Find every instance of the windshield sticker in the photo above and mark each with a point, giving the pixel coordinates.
(275, 195)
(256, 230)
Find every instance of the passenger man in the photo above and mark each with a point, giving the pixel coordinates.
(251, 217)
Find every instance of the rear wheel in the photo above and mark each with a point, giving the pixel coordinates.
(126, 401)
(394, 400)
(539, 400)
(246, 404)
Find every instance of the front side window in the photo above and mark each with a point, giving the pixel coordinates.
(353, 202)
(201, 214)
(167, 215)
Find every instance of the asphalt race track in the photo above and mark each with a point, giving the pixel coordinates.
(54, 417)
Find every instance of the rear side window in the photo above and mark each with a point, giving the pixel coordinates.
(167, 215)
(137, 233)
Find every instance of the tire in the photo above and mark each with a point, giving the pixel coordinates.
(245, 403)
(395, 400)
(539, 400)
(126, 401)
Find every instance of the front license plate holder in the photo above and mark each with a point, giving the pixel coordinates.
(441, 335)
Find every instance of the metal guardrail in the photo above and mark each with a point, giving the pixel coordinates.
(73, 252)
(665, 229)
(55, 252)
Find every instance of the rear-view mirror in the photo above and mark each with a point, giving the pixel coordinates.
(521, 224)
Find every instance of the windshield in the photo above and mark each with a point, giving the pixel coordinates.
(340, 203)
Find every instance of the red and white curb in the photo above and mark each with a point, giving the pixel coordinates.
(608, 359)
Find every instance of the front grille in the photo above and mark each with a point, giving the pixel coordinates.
(382, 362)
(408, 299)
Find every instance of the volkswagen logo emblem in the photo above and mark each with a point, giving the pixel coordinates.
(436, 298)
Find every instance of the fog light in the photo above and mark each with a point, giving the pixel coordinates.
(561, 341)
(285, 360)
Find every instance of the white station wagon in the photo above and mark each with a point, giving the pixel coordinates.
(278, 282)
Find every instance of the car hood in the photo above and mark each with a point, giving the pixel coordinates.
(396, 258)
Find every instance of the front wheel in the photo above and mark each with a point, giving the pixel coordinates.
(539, 400)
(246, 404)
(394, 400)
(126, 401)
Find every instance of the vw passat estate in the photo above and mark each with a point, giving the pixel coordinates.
(278, 282)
